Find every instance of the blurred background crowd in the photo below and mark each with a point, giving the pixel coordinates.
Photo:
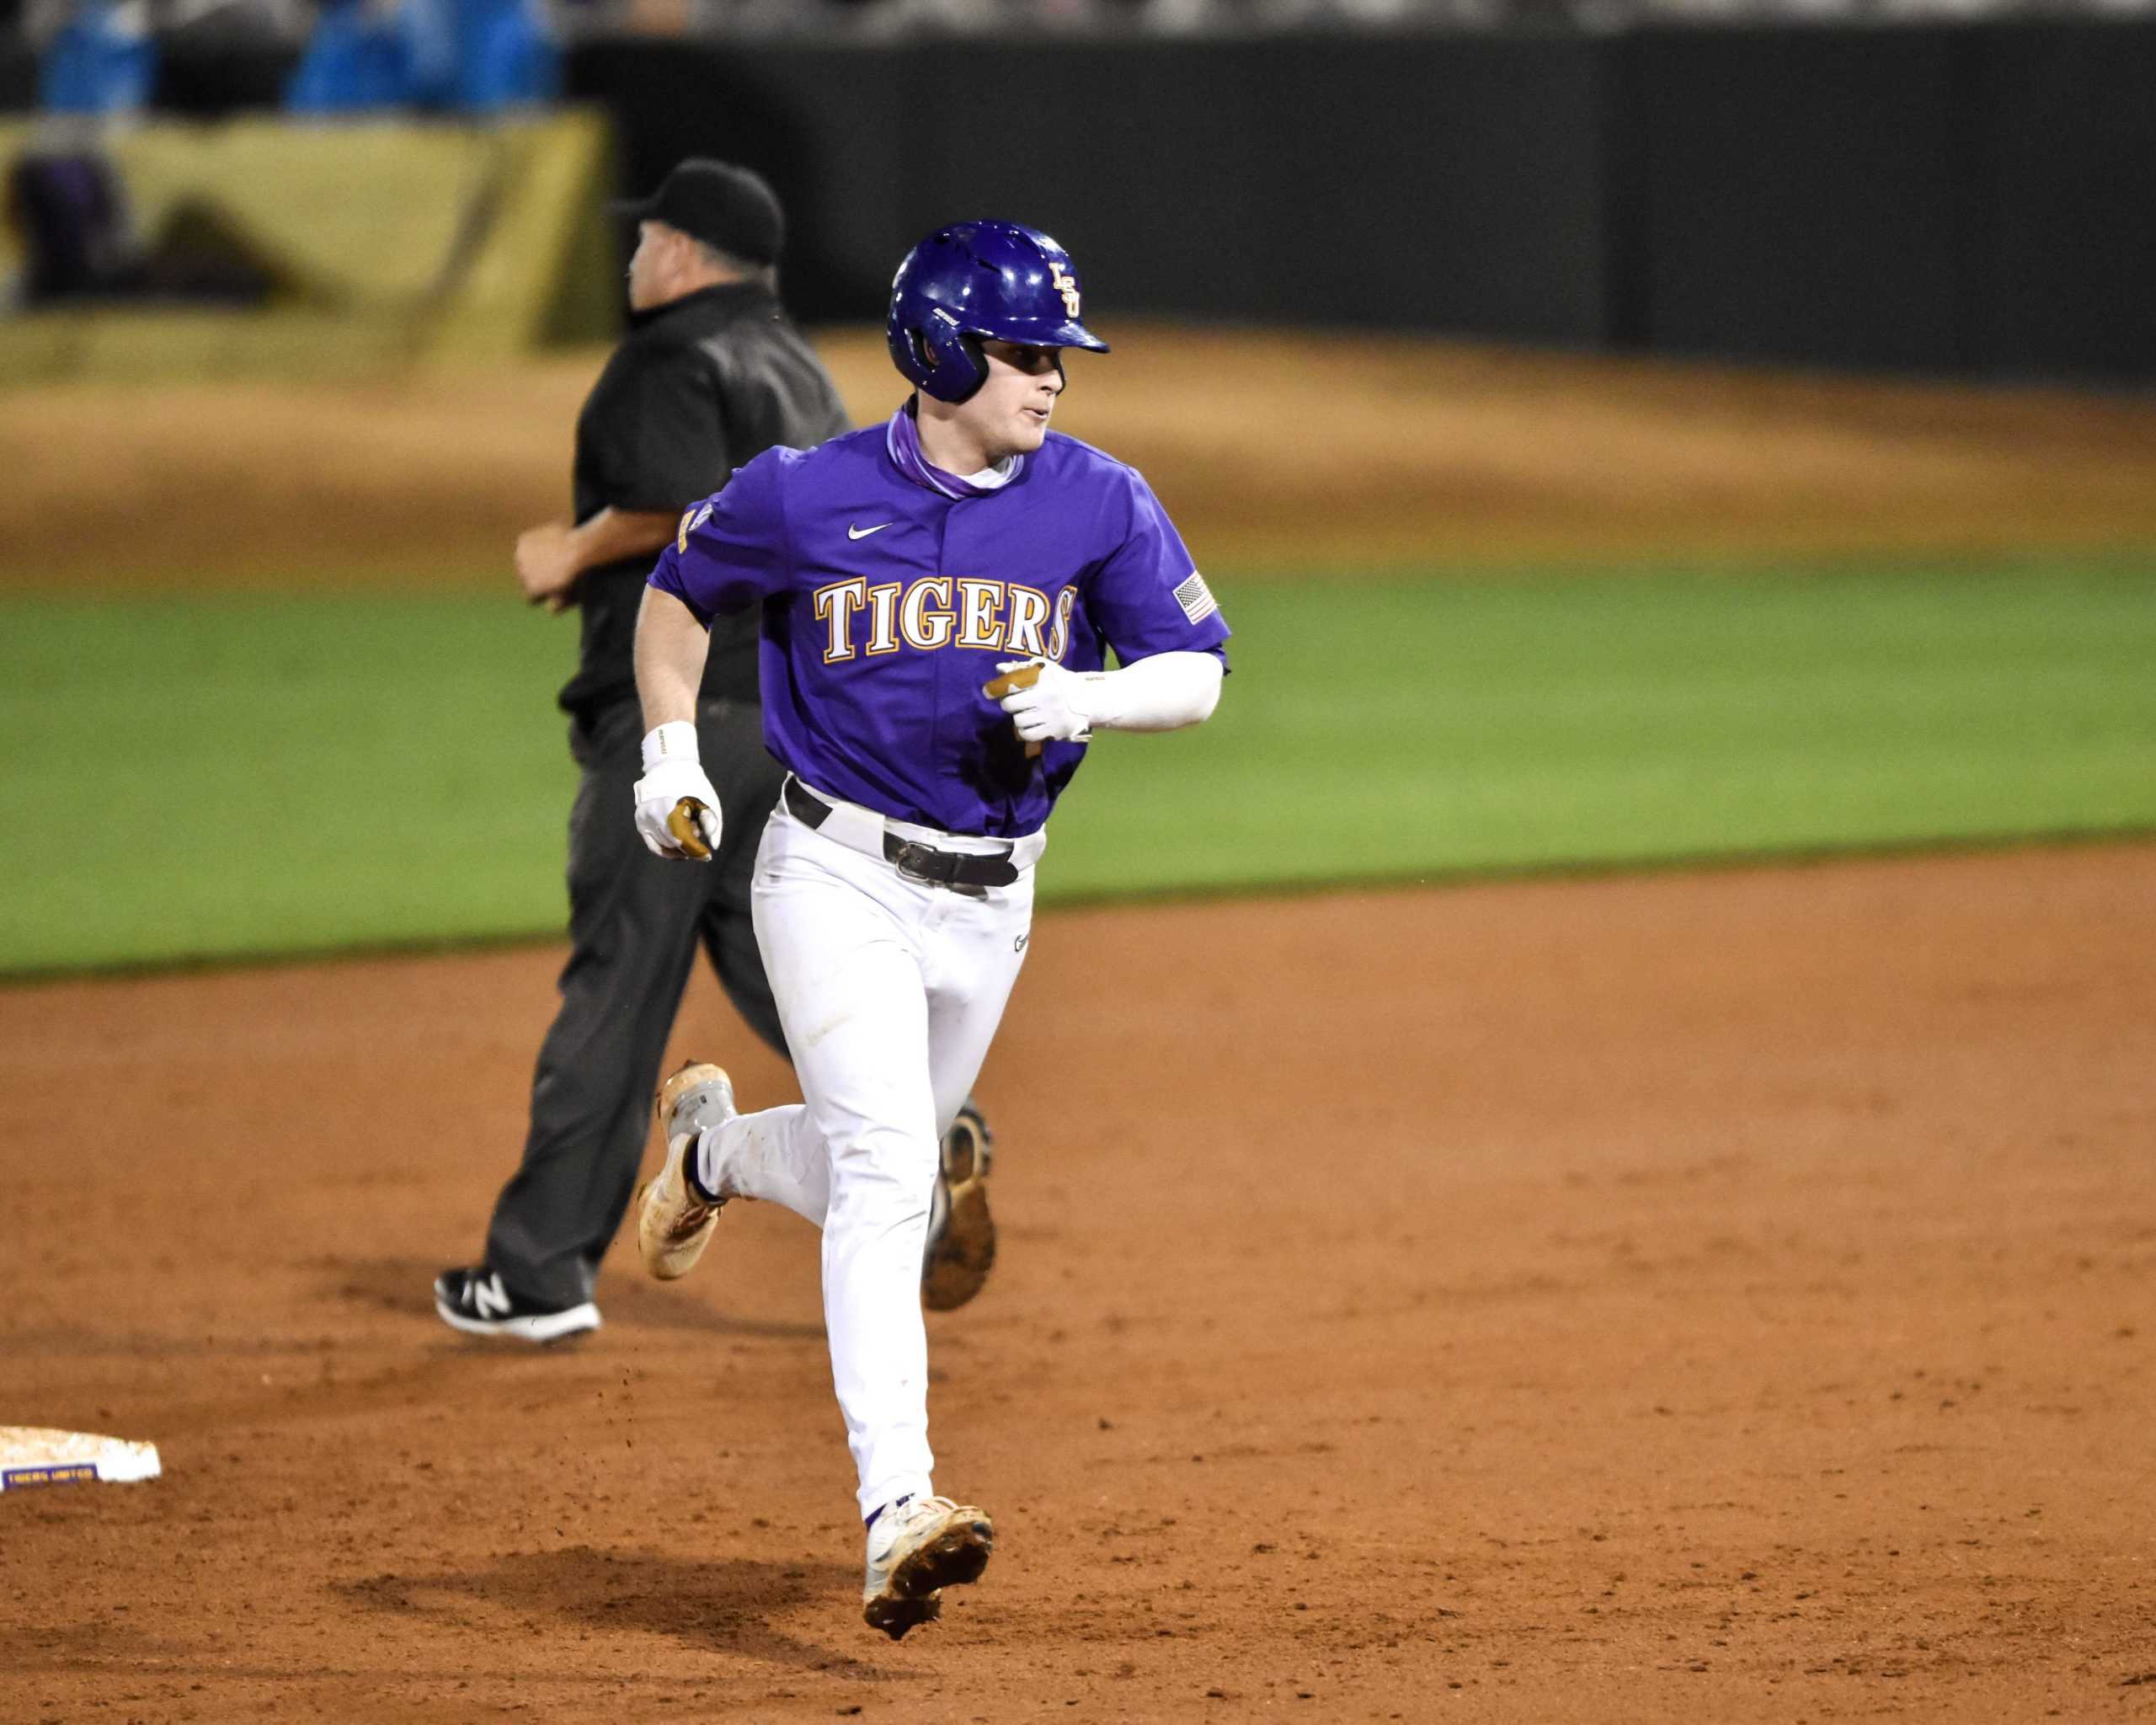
(324, 56)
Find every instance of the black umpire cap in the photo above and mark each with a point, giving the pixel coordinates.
(721, 205)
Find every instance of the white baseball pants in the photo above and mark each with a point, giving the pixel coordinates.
(890, 990)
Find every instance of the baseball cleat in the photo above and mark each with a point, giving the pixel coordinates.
(917, 1547)
(673, 1221)
(475, 1301)
(961, 1233)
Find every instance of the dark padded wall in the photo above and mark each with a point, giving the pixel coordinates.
(821, 125)
(1141, 163)
(18, 77)
(1937, 199)
(2069, 285)
(1799, 195)
(1450, 182)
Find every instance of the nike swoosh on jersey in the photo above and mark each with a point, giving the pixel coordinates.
(852, 532)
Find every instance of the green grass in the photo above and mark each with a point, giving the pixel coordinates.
(1425, 728)
(234, 777)
(245, 777)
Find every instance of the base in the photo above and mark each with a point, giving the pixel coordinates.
(35, 1456)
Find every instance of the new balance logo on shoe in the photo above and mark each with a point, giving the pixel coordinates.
(478, 1302)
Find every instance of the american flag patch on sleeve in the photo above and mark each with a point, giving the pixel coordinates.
(691, 519)
(1196, 598)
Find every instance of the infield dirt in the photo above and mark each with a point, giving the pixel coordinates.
(1316, 454)
(1707, 1297)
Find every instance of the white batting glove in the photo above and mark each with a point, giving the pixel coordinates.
(677, 810)
(1049, 706)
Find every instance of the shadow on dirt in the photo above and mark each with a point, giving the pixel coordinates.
(728, 1607)
(406, 1285)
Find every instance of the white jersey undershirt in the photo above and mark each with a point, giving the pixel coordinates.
(996, 478)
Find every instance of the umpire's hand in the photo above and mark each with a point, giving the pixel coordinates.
(546, 566)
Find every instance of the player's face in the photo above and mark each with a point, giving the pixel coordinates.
(1010, 412)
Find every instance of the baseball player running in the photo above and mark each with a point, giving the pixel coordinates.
(938, 596)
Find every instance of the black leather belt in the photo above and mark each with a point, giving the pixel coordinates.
(918, 862)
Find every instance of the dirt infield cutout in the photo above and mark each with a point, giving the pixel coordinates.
(1719, 1296)
(1294, 451)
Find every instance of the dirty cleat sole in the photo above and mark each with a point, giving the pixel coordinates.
(895, 1617)
(962, 1236)
(673, 1223)
(953, 1555)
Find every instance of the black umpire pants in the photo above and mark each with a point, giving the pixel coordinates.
(635, 922)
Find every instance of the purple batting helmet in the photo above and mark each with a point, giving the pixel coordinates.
(973, 279)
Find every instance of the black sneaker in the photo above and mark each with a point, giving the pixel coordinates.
(476, 1302)
(961, 1232)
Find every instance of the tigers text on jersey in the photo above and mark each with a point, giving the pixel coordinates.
(888, 602)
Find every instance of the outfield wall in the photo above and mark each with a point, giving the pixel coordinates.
(1966, 199)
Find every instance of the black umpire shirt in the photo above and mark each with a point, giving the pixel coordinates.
(699, 386)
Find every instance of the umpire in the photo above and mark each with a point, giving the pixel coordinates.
(710, 375)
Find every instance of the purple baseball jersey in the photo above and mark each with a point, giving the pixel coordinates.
(890, 590)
